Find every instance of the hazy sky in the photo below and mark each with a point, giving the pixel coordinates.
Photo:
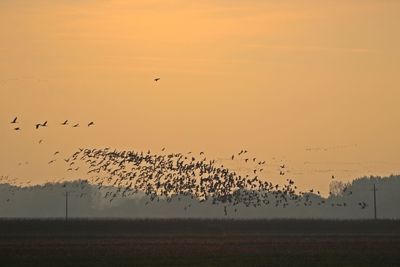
(274, 77)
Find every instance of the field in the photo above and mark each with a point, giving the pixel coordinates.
(199, 243)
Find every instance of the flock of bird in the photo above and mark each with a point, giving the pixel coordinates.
(44, 124)
(177, 175)
(174, 175)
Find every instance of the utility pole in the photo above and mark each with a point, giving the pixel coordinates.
(374, 202)
(66, 206)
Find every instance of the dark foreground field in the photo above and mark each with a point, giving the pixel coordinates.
(199, 243)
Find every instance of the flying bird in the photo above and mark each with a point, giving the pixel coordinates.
(38, 125)
(76, 125)
(14, 120)
(90, 123)
(65, 122)
(156, 79)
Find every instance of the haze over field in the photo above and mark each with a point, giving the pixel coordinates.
(307, 83)
(88, 201)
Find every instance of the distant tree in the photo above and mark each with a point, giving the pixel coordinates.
(338, 188)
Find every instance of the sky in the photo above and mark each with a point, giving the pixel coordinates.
(313, 84)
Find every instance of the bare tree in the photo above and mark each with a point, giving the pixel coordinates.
(338, 188)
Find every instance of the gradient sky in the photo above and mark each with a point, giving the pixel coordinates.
(274, 77)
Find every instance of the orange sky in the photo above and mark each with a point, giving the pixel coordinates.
(274, 77)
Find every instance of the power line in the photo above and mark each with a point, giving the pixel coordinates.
(66, 206)
(375, 202)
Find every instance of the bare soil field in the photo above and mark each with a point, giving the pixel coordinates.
(199, 243)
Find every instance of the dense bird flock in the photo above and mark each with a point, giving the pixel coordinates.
(177, 175)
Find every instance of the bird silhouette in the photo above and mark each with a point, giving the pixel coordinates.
(156, 79)
(14, 120)
(65, 122)
(38, 125)
(90, 123)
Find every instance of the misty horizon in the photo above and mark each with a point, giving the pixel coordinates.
(87, 201)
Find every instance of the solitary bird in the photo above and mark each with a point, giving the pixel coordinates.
(14, 120)
(156, 79)
(38, 125)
